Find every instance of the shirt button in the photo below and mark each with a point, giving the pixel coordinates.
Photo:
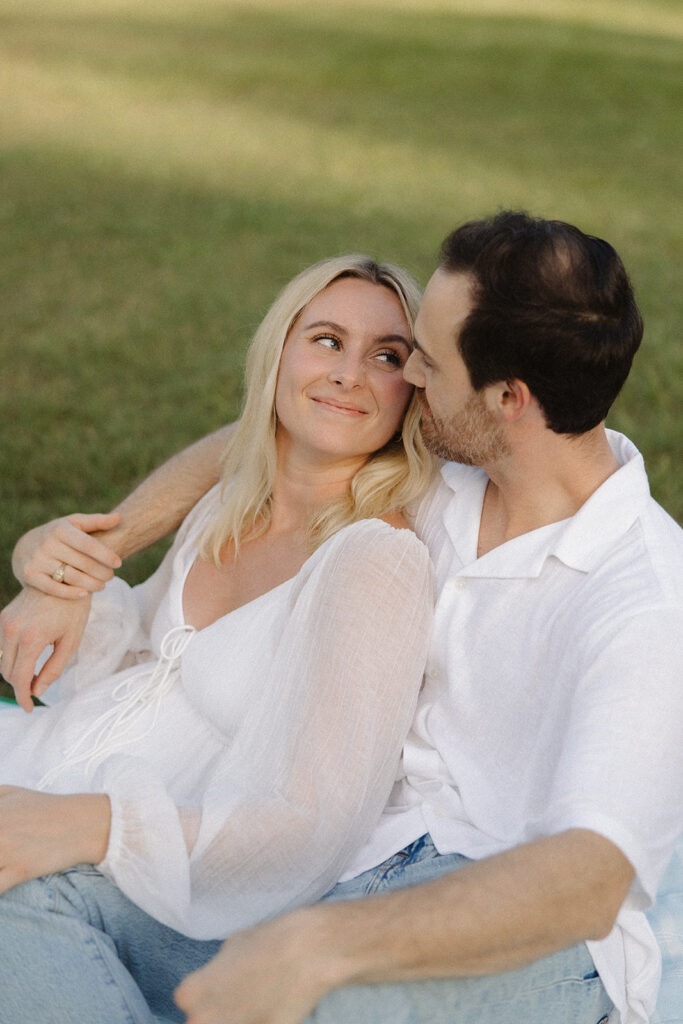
(460, 583)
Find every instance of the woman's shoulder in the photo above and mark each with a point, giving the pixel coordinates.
(186, 543)
(393, 526)
(206, 507)
(396, 518)
(364, 565)
(381, 543)
(199, 516)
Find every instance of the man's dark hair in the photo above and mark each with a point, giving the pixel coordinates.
(553, 307)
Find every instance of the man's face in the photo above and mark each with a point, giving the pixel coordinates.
(457, 423)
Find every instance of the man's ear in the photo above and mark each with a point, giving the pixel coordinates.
(511, 399)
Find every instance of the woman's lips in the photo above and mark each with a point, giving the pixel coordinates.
(340, 407)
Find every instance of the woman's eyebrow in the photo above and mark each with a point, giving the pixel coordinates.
(400, 338)
(325, 323)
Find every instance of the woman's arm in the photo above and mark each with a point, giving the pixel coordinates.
(41, 833)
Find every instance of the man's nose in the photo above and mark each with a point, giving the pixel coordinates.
(412, 371)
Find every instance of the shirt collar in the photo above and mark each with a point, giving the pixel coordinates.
(579, 541)
(609, 512)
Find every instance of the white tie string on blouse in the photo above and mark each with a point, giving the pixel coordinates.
(113, 729)
(247, 768)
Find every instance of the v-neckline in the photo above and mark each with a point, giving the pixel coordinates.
(233, 611)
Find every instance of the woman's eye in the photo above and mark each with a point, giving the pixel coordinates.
(327, 340)
(390, 357)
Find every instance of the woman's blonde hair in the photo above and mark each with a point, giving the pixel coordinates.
(390, 479)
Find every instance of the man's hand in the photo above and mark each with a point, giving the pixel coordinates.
(270, 974)
(27, 625)
(86, 562)
(41, 833)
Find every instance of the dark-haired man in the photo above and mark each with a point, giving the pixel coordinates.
(541, 788)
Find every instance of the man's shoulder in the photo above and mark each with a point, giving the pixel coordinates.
(662, 524)
(634, 584)
(653, 549)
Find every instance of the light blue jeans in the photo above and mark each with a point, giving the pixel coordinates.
(75, 950)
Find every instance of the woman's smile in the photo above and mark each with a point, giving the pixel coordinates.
(334, 405)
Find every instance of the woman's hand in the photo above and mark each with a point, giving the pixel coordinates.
(41, 833)
(27, 625)
(62, 559)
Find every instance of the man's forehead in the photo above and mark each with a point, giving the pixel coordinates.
(448, 299)
(455, 287)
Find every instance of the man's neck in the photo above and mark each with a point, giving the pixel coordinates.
(545, 479)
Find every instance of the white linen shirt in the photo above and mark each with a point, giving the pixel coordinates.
(553, 696)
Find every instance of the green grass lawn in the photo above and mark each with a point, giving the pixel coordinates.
(166, 167)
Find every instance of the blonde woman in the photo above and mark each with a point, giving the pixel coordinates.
(232, 727)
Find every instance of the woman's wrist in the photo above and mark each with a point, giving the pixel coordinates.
(43, 833)
(89, 814)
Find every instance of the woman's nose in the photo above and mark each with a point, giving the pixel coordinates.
(348, 372)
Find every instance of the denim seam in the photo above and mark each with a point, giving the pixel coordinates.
(92, 945)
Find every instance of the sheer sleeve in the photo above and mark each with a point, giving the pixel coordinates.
(309, 771)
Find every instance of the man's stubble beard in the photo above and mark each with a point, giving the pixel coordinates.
(472, 437)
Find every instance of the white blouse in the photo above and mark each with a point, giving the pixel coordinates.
(245, 762)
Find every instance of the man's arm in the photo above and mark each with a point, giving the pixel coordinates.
(162, 501)
(35, 618)
(92, 546)
(489, 917)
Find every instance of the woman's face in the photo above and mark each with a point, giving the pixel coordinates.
(340, 390)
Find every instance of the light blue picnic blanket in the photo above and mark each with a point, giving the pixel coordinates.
(666, 918)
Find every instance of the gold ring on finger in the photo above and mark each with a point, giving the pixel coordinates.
(58, 574)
